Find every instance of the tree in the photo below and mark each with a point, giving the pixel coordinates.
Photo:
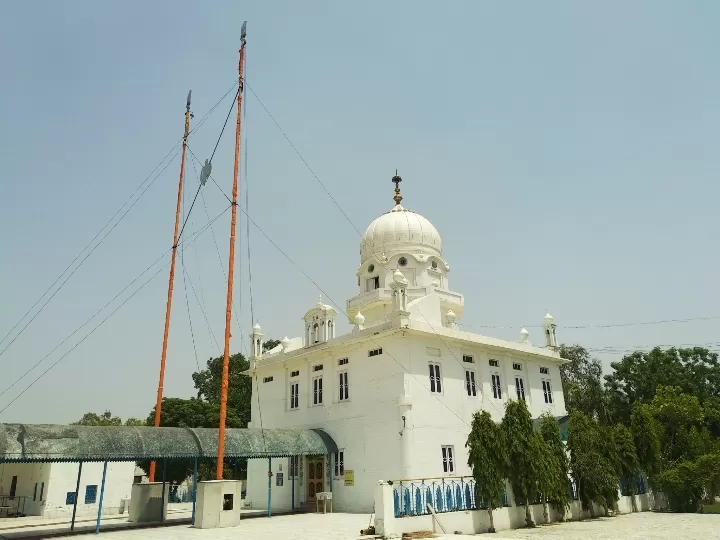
(709, 471)
(683, 487)
(135, 422)
(582, 382)
(636, 377)
(521, 444)
(488, 459)
(93, 419)
(680, 415)
(556, 489)
(646, 436)
(208, 381)
(627, 459)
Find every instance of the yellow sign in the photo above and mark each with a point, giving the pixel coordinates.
(349, 478)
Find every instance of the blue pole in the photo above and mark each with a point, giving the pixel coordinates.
(292, 482)
(194, 492)
(162, 499)
(102, 493)
(77, 494)
(269, 487)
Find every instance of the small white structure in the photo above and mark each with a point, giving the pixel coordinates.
(218, 504)
(148, 503)
(398, 392)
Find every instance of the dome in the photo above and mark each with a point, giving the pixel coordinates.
(400, 230)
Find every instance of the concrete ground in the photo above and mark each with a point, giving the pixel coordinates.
(641, 526)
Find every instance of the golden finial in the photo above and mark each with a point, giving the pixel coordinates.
(396, 179)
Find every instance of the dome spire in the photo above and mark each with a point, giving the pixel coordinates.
(396, 179)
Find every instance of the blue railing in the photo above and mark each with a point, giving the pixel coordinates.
(445, 494)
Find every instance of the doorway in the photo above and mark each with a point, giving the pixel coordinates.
(316, 475)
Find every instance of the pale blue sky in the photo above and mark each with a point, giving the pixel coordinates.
(566, 152)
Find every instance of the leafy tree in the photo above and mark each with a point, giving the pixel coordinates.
(93, 419)
(683, 487)
(208, 381)
(709, 471)
(555, 481)
(488, 459)
(646, 436)
(636, 377)
(679, 414)
(521, 444)
(629, 466)
(135, 422)
(582, 382)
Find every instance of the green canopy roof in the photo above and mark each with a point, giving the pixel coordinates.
(27, 443)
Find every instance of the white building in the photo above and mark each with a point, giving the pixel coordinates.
(398, 392)
(48, 489)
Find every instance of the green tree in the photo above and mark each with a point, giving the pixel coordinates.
(709, 471)
(94, 419)
(680, 415)
(582, 382)
(627, 459)
(208, 381)
(135, 422)
(646, 436)
(683, 487)
(488, 459)
(523, 471)
(556, 488)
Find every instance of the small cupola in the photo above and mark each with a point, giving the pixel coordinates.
(319, 323)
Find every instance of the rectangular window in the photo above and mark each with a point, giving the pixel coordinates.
(373, 283)
(544, 370)
(13, 487)
(35, 492)
(494, 363)
(90, 494)
(340, 464)
(318, 367)
(293, 472)
(435, 382)
(375, 352)
(344, 394)
(267, 379)
(497, 390)
(317, 391)
(294, 396)
(294, 373)
(470, 383)
(517, 367)
(520, 388)
(342, 361)
(42, 490)
(547, 391)
(448, 459)
(468, 358)
(70, 498)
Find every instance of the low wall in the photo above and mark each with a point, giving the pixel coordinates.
(478, 521)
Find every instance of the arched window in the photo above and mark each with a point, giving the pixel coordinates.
(316, 332)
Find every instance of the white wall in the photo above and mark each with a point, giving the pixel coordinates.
(28, 475)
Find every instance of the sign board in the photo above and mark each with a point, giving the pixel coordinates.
(349, 478)
(279, 479)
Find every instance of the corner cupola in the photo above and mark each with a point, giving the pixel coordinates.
(319, 323)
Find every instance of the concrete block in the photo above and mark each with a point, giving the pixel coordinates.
(146, 501)
(218, 504)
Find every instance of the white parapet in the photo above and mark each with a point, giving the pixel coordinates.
(147, 501)
(218, 504)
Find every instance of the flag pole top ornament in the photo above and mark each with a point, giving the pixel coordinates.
(396, 180)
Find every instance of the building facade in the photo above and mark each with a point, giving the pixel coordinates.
(398, 392)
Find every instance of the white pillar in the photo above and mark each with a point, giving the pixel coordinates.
(384, 510)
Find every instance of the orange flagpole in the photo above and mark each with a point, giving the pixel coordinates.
(231, 265)
(168, 308)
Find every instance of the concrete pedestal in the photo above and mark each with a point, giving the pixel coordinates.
(218, 504)
(146, 502)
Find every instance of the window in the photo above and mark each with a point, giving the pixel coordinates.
(42, 490)
(35, 492)
(547, 391)
(317, 390)
(294, 395)
(13, 487)
(293, 472)
(375, 352)
(497, 390)
(318, 367)
(517, 367)
(373, 283)
(267, 379)
(433, 264)
(342, 361)
(470, 383)
(371, 268)
(468, 359)
(544, 370)
(294, 373)
(448, 459)
(340, 464)
(520, 388)
(90, 494)
(344, 394)
(435, 382)
(70, 498)
(402, 261)
(494, 363)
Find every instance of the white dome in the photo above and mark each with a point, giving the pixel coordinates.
(400, 230)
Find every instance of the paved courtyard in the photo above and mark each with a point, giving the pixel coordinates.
(641, 526)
